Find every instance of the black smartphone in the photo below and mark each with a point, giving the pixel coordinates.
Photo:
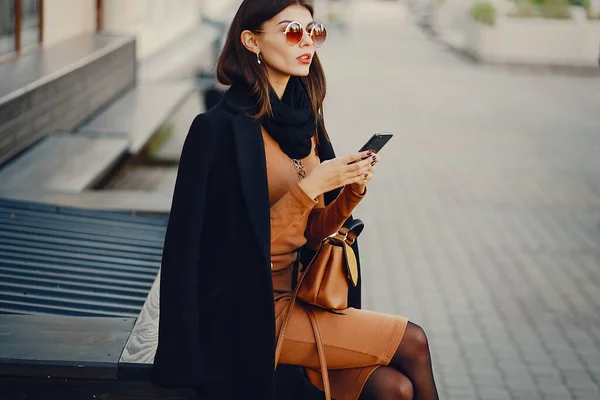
(376, 142)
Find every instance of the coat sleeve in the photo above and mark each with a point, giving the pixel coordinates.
(177, 359)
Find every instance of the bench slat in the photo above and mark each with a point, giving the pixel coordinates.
(80, 346)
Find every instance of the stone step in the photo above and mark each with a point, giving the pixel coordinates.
(139, 113)
(64, 162)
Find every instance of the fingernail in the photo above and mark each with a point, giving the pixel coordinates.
(369, 153)
(373, 163)
(374, 157)
(366, 175)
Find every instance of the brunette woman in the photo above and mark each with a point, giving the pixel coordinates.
(257, 181)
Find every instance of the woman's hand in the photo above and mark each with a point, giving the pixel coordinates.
(360, 186)
(338, 172)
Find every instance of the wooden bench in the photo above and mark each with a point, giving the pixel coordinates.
(73, 358)
(57, 263)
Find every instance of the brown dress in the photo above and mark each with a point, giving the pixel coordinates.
(355, 343)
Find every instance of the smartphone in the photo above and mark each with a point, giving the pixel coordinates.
(376, 142)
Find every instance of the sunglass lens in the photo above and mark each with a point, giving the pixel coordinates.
(294, 33)
(319, 34)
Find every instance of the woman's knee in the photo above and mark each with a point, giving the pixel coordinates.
(387, 383)
(414, 344)
(419, 340)
(402, 388)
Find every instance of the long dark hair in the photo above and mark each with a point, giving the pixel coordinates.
(237, 65)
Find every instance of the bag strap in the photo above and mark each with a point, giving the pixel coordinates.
(316, 332)
(351, 231)
(295, 268)
(321, 351)
(349, 234)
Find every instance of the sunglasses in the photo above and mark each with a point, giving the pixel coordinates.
(294, 32)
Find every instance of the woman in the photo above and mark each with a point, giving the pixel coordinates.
(257, 181)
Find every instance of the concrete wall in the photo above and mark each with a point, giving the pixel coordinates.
(64, 19)
(154, 23)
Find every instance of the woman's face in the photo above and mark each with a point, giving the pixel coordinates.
(281, 59)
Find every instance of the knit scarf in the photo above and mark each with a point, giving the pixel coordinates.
(292, 124)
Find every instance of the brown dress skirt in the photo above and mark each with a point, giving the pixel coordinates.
(356, 343)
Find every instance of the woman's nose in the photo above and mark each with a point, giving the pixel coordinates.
(306, 40)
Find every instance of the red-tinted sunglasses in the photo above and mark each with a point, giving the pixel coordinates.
(294, 32)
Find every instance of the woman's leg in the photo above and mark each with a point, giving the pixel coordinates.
(387, 383)
(413, 359)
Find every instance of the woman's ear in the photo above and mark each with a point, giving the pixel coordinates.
(249, 41)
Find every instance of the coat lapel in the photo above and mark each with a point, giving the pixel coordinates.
(252, 169)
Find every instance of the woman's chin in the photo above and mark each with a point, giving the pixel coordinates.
(302, 71)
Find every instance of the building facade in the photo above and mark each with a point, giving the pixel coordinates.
(62, 60)
(154, 23)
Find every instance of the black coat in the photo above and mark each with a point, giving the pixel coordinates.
(217, 322)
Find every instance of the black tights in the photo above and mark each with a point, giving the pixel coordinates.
(409, 375)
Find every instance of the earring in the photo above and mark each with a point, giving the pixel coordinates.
(258, 57)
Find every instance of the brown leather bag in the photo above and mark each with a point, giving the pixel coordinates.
(324, 284)
(326, 279)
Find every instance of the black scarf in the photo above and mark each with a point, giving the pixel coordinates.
(293, 124)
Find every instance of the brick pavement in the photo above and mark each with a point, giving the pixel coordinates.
(483, 222)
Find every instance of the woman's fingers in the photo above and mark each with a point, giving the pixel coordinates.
(365, 165)
(354, 157)
(359, 167)
(363, 175)
(371, 172)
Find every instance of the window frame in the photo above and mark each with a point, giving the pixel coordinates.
(99, 15)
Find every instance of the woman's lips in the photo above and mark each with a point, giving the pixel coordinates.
(305, 58)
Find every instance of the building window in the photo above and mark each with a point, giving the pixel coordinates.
(7, 27)
(30, 22)
(20, 25)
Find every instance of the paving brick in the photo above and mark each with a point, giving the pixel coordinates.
(457, 391)
(494, 394)
(559, 395)
(526, 395)
(586, 395)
